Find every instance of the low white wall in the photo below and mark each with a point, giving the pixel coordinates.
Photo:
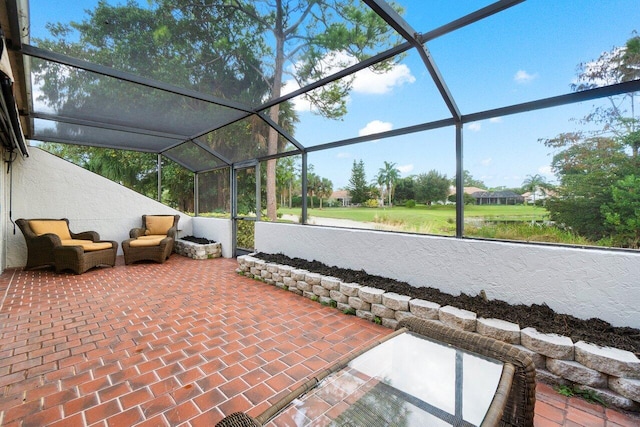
(218, 229)
(46, 186)
(584, 283)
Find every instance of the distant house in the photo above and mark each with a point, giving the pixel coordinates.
(342, 196)
(497, 198)
(538, 195)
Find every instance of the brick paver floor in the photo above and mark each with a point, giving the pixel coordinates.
(182, 343)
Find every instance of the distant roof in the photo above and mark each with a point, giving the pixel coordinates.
(483, 194)
(340, 194)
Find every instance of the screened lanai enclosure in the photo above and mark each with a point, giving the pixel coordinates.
(256, 106)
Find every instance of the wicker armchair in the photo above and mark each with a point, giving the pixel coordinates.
(153, 241)
(50, 242)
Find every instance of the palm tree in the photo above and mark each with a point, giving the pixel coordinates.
(533, 183)
(388, 175)
(324, 189)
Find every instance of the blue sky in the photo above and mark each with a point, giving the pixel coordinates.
(528, 52)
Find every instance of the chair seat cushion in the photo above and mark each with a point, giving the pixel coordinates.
(87, 245)
(139, 243)
(57, 227)
(153, 237)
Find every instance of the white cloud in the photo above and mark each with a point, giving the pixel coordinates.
(343, 155)
(486, 162)
(495, 120)
(364, 81)
(405, 168)
(375, 126)
(475, 126)
(523, 77)
(369, 82)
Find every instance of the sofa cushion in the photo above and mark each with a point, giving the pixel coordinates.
(87, 245)
(139, 243)
(57, 227)
(157, 224)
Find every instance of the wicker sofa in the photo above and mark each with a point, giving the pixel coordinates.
(50, 242)
(153, 241)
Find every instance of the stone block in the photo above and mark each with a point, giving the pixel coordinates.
(389, 323)
(365, 314)
(344, 307)
(626, 387)
(276, 277)
(289, 282)
(312, 278)
(458, 318)
(371, 295)
(396, 301)
(612, 361)
(402, 315)
(280, 285)
(350, 289)
(298, 275)
(338, 296)
(611, 398)
(551, 345)
(272, 267)
(544, 376)
(539, 360)
(320, 291)
(255, 271)
(285, 270)
(295, 291)
(265, 274)
(577, 372)
(383, 311)
(330, 283)
(359, 304)
(500, 330)
(310, 295)
(303, 286)
(424, 309)
(259, 264)
(269, 282)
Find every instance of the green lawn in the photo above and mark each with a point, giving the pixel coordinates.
(427, 219)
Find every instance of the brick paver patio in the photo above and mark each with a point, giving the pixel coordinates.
(183, 343)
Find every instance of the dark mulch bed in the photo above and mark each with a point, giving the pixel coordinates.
(199, 240)
(540, 317)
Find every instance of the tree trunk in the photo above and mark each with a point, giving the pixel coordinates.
(274, 112)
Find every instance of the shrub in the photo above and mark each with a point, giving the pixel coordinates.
(410, 203)
(371, 203)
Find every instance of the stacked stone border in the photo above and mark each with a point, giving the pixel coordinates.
(611, 374)
(197, 250)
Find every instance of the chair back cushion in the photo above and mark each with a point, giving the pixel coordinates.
(156, 224)
(57, 227)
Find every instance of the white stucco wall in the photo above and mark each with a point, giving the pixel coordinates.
(585, 283)
(218, 229)
(45, 186)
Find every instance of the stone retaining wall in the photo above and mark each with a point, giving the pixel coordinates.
(197, 250)
(612, 374)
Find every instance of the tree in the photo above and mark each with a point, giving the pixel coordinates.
(405, 190)
(311, 37)
(594, 167)
(324, 189)
(468, 180)
(388, 175)
(623, 212)
(431, 187)
(533, 183)
(358, 188)
(199, 48)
